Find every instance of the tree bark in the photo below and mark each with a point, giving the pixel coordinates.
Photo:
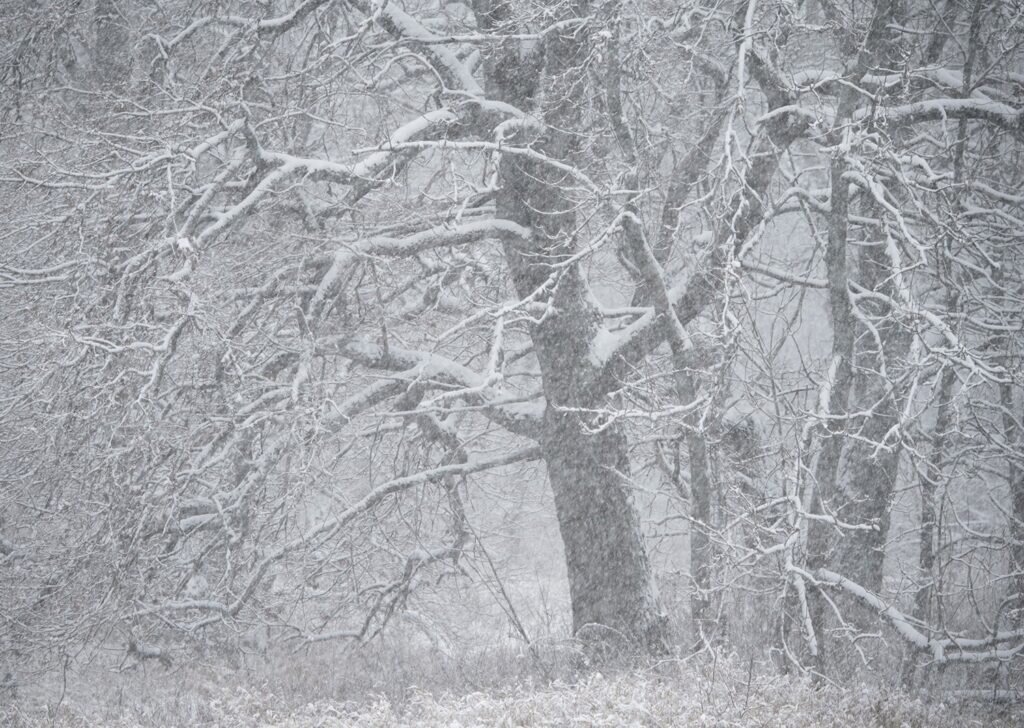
(610, 578)
(1015, 480)
(930, 481)
(701, 553)
(112, 53)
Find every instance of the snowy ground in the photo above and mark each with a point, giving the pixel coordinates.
(714, 695)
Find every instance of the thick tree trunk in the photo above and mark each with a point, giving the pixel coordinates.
(610, 579)
(112, 54)
(1017, 549)
(841, 376)
(859, 555)
(872, 461)
(610, 584)
(860, 475)
(857, 469)
(929, 482)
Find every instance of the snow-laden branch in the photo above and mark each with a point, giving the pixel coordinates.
(736, 231)
(1000, 195)
(956, 348)
(428, 126)
(112, 178)
(329, 526)
(267, 27)
(948, 649)
(824, 81)
(11, 276)
(442, 236)
(783, 275)
(201, 512)
(995, 112)
(284, 166)
(416, 134)
(393, 145)
(521, 418)
(908, 308)
(455, 74)
(314, 168)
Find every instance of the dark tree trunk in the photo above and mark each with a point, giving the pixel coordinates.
(609, 574)
(861, 489)
(859, 465)
(855, 481)
(610, 579)
(701, 608)
(112, 50)
(1015, 480)
(930, 481)
(704, 618)
(841, 376)
(856, 476)
(870, 460)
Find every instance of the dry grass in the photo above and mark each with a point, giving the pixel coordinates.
(500, 687)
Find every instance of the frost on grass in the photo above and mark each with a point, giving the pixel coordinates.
(723, 693)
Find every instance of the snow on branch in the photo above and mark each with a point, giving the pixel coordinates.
(455, 74)
(269, 26)
(472, 465)
(956, 350)
(517, 417)
(414, 135)
(284, 166)
(441, 236)
(783, 275)
(948, 649)
(444, 236)
(997, 113)
(326, 528)
(283, 23)
(422, 127)
(425, 125)
(11, 276)
(823, 81)
(396, 146)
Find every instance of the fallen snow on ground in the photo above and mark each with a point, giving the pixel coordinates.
(638, 699)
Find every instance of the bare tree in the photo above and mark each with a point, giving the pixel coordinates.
(295, 282)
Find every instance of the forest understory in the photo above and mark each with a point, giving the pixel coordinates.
(391, 687)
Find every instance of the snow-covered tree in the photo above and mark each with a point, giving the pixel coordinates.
(290, 283)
